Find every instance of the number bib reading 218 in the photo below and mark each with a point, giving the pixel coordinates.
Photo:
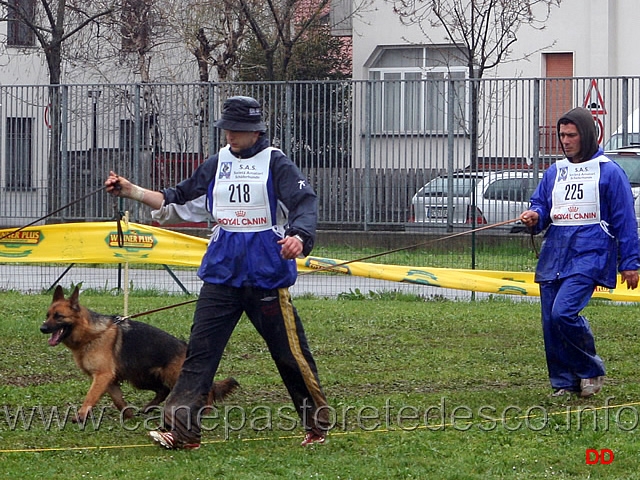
(576, 196)
(240, 197)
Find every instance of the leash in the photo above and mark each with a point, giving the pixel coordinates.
(117, 216)
(52, 213)
(120, 319)
(534, 247)
(421, 244)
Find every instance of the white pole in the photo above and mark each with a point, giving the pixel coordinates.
(126, 270)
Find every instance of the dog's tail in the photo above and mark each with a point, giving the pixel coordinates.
(222, 390)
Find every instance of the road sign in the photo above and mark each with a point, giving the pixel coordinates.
(593, 100)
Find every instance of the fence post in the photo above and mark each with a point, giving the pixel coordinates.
(137, 131)
(288, 109)
(368, 119)
(625, 111)
(64, 153)
(450, 146)
(536, 129)
(212, 143)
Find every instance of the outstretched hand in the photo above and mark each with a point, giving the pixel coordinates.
(630, 277)
(529, 218)
(118, 186)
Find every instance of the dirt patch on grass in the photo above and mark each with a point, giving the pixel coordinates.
(32, 380)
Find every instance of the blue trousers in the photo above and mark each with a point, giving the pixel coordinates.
(568, 340)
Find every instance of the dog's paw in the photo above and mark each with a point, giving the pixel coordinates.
(82, 416)
(127, 413)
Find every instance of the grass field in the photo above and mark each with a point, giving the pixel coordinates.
(418, 389)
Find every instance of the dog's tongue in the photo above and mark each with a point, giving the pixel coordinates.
(54, 339)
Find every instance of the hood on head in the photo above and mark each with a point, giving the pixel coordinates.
(584, 122)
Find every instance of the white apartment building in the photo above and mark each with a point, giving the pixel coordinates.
(581, 38)
(589, 39)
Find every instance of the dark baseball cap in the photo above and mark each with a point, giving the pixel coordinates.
(241, 114)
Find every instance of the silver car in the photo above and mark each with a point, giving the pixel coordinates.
(629, 159)
(479, 198)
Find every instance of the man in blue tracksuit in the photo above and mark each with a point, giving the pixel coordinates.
(265, 216)
(586, 202)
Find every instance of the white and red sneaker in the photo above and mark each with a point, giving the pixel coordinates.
(312, 437)
(169, 441)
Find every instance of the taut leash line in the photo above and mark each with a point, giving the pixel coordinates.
(421, 244)
(128, 317)
(121, 319)
(52, 213)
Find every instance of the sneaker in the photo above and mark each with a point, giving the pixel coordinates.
(169, 441)
(561, 392)
(591, 386)
(311, 437)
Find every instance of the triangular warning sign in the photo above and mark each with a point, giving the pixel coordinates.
(593, 100)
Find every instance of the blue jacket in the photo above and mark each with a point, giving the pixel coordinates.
(240, 259)
(588, 249)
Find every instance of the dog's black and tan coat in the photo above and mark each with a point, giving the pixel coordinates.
(112, 350)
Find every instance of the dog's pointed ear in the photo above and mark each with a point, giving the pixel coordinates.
(73, 299)
(58, 294)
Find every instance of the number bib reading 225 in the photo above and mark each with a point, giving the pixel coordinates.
(240, 198)
(576, 196)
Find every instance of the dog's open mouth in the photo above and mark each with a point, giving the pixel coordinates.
(59, 335)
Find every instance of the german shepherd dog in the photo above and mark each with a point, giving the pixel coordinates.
(112, 350)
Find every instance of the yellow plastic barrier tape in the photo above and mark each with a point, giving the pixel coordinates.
(489, 281)
(97, 242)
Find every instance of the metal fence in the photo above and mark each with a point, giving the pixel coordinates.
(367, 147)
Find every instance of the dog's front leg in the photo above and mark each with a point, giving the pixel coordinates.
(118, 400)
(161, 394)
(99, 386)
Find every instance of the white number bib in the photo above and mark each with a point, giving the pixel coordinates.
(576, 196)
(240, 198)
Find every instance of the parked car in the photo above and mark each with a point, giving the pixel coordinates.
(616, 141)
(483, 197)
(629, 159)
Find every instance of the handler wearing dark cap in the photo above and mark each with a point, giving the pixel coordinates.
(265, 216)
(586, 202)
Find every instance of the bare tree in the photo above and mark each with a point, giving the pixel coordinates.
(278, 25)
(52, 23)
(483, 31)
(213, 32)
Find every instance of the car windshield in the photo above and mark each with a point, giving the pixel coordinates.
(616, 140)
(630, 164)
(439, 186)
